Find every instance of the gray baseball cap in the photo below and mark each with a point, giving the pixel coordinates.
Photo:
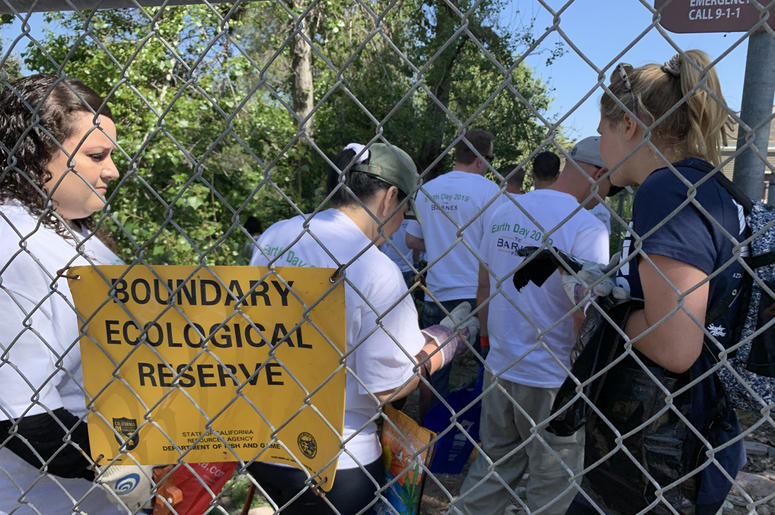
(392, 165)
(588, 151)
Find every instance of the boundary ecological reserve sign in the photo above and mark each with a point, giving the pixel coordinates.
(183, 363)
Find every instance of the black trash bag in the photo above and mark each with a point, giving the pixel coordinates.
(630, 395)
(597, 345)
(664, 447)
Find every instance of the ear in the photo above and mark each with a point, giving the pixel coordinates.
(630, 126)
(388, 201)
(599, 173)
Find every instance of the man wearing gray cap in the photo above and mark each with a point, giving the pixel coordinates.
(531, 333)
(586, 154)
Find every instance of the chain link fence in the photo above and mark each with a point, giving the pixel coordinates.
(232, 110)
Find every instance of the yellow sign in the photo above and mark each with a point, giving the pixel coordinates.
(182, 363)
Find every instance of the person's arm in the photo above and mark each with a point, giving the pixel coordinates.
(578, 319)
(591, 244)
(443, 341)
(435, 360)
(57, 440)
(674, 343)
(29, 337)
(482, 292)
(415, 243)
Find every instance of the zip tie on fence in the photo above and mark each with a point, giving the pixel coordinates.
(337, 274)
(96, 464)
(315, 486)
(62, 272)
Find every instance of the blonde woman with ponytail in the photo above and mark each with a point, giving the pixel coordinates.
(661, 128)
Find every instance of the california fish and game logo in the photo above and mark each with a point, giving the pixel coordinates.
(307, 445)
(126, 427)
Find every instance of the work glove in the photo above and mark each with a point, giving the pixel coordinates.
(542, 263)
(594, 282)
(455, 331)
(128, 486)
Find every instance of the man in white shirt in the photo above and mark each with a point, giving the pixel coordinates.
(400, 254)
(546, 169)
(450, 209)
(603, 214)
(585, 154)
(515, 178)
(531, 333)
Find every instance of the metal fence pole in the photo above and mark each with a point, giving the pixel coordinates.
(755, 112)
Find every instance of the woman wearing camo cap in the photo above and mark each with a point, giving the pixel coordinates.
(370, 189)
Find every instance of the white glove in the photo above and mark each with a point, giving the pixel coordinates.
(593, 281)
(461, 320)
(454, 331)
(128, 485)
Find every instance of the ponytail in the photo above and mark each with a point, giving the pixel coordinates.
(680, 102)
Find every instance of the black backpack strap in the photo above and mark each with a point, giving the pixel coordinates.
(737, 194)
(722, 306)
(715, 312)
(761, 260)
(734, 190)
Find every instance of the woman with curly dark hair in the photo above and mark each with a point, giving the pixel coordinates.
(57, 138)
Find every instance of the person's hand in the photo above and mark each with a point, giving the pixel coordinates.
(461, 320)
(454, 331)
(128, 486)
(593, 281)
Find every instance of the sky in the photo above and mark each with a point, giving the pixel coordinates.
(601, 30)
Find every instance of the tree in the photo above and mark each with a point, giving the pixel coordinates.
(227, 111)
(427, 72)
(198, 138)
(9, 63)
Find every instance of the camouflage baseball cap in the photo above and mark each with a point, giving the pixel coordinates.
(392, 165)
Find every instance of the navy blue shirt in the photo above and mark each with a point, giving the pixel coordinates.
(698, 225)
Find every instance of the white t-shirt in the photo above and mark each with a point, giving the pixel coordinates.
(397, 250)
(381, 319)
(603, 214)
(529, 337)
(30, 373)
(446, 205)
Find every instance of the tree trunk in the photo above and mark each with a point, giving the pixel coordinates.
(441, 90)
(301, 67)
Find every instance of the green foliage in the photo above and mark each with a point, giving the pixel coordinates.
(235, 493)
(10, 68)
(205, 115)
(196, 146)
(621, 204)
(420, 87)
